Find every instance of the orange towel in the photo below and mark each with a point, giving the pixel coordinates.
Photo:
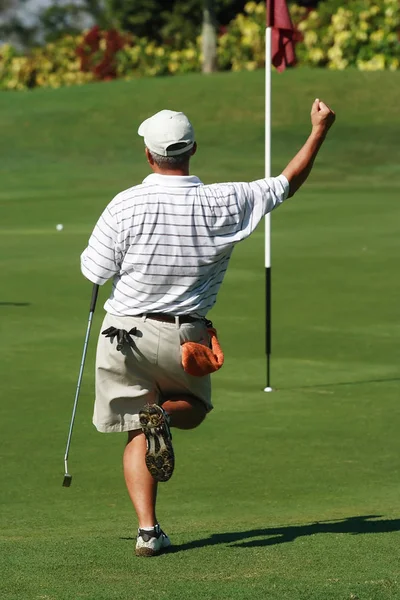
(199, 360)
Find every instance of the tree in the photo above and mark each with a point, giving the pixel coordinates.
(12, 28)
(5, 5)
(58, 20)
(171, 22)
(140, 17)
(167, 21)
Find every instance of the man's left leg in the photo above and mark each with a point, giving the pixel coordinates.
(185, 412)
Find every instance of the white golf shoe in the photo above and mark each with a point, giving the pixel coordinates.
(151, 542)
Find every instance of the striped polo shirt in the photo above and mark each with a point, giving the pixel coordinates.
(167, 242)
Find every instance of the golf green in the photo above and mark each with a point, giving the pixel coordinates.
(291, 495)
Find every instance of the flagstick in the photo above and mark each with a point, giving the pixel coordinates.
(268, 30)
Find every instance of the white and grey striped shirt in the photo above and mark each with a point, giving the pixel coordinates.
(168, 241)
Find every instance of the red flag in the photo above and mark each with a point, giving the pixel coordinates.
(283, 33)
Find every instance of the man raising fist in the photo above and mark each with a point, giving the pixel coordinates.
(167, 243)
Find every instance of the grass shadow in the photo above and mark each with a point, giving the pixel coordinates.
(338, 383)
(15, 303)
(271, 536)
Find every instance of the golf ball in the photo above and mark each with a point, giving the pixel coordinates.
(60, 227)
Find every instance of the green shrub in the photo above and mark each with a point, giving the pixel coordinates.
(94, 55)
(139, 57)
(242, 46)
(364, 34)
(16, 72)
(53, 65)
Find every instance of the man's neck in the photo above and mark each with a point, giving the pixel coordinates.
(176, 172)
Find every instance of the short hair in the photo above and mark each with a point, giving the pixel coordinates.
(172, 162)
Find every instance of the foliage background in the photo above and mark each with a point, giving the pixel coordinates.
(364, 35)
(361, 33)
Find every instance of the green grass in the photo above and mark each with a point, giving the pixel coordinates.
(292, 495)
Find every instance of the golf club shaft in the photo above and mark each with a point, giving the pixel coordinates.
(78, 387)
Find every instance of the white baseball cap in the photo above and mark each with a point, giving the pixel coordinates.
(165, 129)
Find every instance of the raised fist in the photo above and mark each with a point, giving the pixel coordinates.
(322, 117)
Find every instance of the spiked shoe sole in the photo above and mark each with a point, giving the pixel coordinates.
(160, 459)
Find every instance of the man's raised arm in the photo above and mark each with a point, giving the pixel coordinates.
(299, 168)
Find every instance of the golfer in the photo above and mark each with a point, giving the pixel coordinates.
(166, 243)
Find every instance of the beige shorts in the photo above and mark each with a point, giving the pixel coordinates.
(148, 371)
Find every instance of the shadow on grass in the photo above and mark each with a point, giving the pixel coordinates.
(15, 303)
(271, 536)
(335, 383)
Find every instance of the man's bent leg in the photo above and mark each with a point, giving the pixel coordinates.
(142, 487)
(185, 412)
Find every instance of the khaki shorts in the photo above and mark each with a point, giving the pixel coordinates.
(148, 371)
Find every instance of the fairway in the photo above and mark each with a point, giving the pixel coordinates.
(292, 495)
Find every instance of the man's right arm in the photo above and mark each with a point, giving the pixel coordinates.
(100, 261)
(299, 168)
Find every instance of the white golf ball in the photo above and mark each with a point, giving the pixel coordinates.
(60, 227)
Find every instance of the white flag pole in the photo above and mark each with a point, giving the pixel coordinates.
(268, 62)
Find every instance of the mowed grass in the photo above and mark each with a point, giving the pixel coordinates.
(292, 495)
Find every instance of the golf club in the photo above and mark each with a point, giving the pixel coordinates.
(67, 477)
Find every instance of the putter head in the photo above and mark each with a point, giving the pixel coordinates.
(67, 480)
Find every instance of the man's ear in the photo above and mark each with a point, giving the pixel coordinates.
(149, 157)
(194, 149)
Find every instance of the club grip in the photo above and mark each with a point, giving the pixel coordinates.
(94, 297)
